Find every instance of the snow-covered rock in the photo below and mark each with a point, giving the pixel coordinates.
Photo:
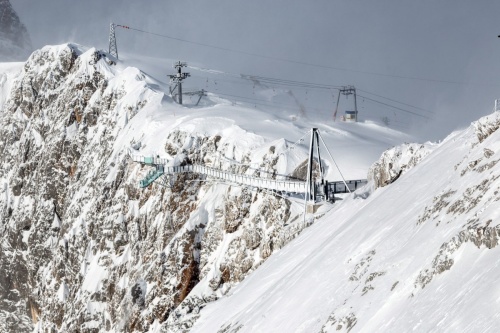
(83, 248)
(396, 161)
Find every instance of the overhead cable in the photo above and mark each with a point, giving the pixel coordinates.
(392, 106)
(299, 62)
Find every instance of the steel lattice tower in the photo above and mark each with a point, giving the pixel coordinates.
(113, 49)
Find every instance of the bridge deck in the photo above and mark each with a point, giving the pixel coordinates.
(288, 186)
(267, 183)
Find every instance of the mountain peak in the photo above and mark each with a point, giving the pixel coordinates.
(15, 41)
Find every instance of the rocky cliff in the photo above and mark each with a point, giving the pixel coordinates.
(396, 161)
(83, 248)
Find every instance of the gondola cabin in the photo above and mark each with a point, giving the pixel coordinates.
(351, 116)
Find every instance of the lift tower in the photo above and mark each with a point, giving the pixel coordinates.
(349, 115)
(113, 49)
(177, 79)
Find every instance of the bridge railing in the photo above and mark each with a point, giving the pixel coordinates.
(272, 184)
(339, 186)
(151, 176)
(149, 160)
(268, 183)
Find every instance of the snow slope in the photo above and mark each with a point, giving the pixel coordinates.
(420, 255)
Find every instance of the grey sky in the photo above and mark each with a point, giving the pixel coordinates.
(446, 40)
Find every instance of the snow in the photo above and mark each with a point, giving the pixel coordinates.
(56, 223)
(8, 71)
(243, 128)
(363, 257)
(299, 287)
(94, 275)
(63, 292)
(248, 130)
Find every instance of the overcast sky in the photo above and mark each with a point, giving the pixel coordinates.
(399, 49)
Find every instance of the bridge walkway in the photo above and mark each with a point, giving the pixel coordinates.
(327, 190)
(266, 183)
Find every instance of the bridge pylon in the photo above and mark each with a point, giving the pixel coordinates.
(311, 183)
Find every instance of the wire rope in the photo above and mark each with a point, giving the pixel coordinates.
(331, 156)
(304, 63)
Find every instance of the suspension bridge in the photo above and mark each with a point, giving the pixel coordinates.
(315, 190)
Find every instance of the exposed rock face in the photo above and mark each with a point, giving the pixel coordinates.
(453, 204)
(85, 250)
(15, 43)
(396, 161)
(485, 126)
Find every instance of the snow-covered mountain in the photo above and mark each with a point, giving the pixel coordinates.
(85, 249)
(15, 42)
(420, 255)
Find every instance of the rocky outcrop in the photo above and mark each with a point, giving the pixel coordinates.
(342, 324)
(397, 161)
(479, 236)
(485, 126)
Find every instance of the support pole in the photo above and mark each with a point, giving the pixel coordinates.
(355, 104)
(336, 107)
(321, 170)
(309, 179)
(348, 90)
(179, 92)
(202, 93)
(307, 194)
(321, 183)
